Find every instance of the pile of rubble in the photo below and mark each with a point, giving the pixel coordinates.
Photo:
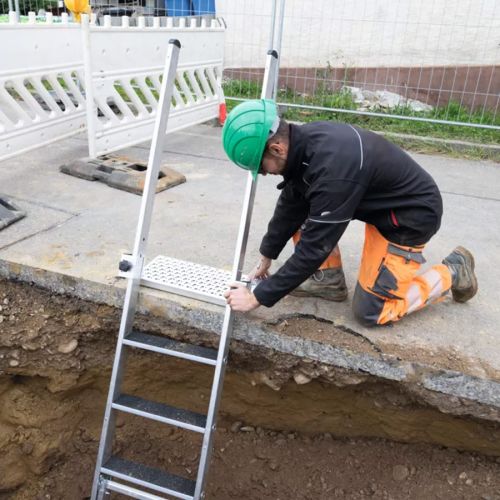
(370, 100)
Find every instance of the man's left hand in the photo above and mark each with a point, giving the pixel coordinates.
(240, 298)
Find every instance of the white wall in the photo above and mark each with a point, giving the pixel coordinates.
(365, 33)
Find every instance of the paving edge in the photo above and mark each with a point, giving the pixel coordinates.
(465, 394)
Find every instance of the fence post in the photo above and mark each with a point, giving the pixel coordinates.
(278, 46)
(89, 95)
(273, 26)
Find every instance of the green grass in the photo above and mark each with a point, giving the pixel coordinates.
(343, 100)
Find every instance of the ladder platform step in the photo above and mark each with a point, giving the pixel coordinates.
(165, 345)
(149, 477)
(161, 412)
(185, 278)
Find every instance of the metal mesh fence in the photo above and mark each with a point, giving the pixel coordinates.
(435, 62)
(133, 8)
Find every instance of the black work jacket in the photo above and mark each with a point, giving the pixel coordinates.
(336, 173)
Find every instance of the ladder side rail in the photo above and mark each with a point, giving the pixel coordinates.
(241, 245)
(132, 291)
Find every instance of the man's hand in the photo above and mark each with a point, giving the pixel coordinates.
(239, 298)
(261, 270)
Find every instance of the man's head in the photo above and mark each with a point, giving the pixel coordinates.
(255, 139)
(276, 151)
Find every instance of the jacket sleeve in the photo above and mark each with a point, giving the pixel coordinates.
(332, 205)
(290, 213)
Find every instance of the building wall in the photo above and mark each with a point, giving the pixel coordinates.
(365, 33)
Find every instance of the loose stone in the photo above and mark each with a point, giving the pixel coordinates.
(236, 426)
(68, 347)
(301, 379)
(400, 472)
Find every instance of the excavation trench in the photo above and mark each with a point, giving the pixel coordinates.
(55, 360)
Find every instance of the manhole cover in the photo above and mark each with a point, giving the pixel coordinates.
(121, 173)
(9, 213)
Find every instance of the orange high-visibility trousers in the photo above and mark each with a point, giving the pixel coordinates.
(389, 286)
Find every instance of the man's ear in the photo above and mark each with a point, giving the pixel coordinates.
(278, 149)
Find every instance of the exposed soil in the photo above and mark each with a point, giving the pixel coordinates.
(55, 358)
(257, 464)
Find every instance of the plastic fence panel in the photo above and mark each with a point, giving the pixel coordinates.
(41, 85)
(126, 63)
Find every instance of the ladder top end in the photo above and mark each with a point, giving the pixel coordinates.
(273, 53)
(175, 42)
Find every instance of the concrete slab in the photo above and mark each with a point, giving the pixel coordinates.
(75, 231)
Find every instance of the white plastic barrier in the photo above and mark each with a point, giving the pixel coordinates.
(49, 73)
(123, 66)
(41, 77)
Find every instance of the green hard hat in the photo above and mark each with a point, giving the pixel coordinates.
(246, 132)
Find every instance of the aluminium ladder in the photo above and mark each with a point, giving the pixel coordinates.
(113, 473)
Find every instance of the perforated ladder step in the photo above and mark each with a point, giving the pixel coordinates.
(161, 412)
(164, 345)
(149, 477)
(185, 278)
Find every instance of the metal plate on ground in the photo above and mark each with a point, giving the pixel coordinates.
(121, 173)
(187, 278)
(9, 213)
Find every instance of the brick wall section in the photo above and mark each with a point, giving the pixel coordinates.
(476, 87)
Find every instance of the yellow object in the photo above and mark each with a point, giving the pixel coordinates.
(78, 7)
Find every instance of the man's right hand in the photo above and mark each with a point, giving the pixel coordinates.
(261, 270)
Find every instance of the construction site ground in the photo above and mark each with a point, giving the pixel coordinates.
(299, 373)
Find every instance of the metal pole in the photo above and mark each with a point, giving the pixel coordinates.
(18, 11)
(277, 46)
(11, 6)
(273, 25)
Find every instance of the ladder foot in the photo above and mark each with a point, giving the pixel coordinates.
(101, 491)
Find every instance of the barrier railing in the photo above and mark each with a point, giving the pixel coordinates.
(123, 65)
(41, 76)
(56, 79)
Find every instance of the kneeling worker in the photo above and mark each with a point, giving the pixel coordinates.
(333, 173)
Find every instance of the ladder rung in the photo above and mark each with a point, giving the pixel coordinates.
(161, 412)
(130, 491)
(165, 345)
(149, 477)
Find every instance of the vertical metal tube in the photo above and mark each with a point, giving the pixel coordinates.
(11, 6)
(278, 40)
(273, 25)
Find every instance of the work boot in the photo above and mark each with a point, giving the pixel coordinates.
(460, 262)
(328, 284)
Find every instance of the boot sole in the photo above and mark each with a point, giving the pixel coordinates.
(471, 264)
(319, 295)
